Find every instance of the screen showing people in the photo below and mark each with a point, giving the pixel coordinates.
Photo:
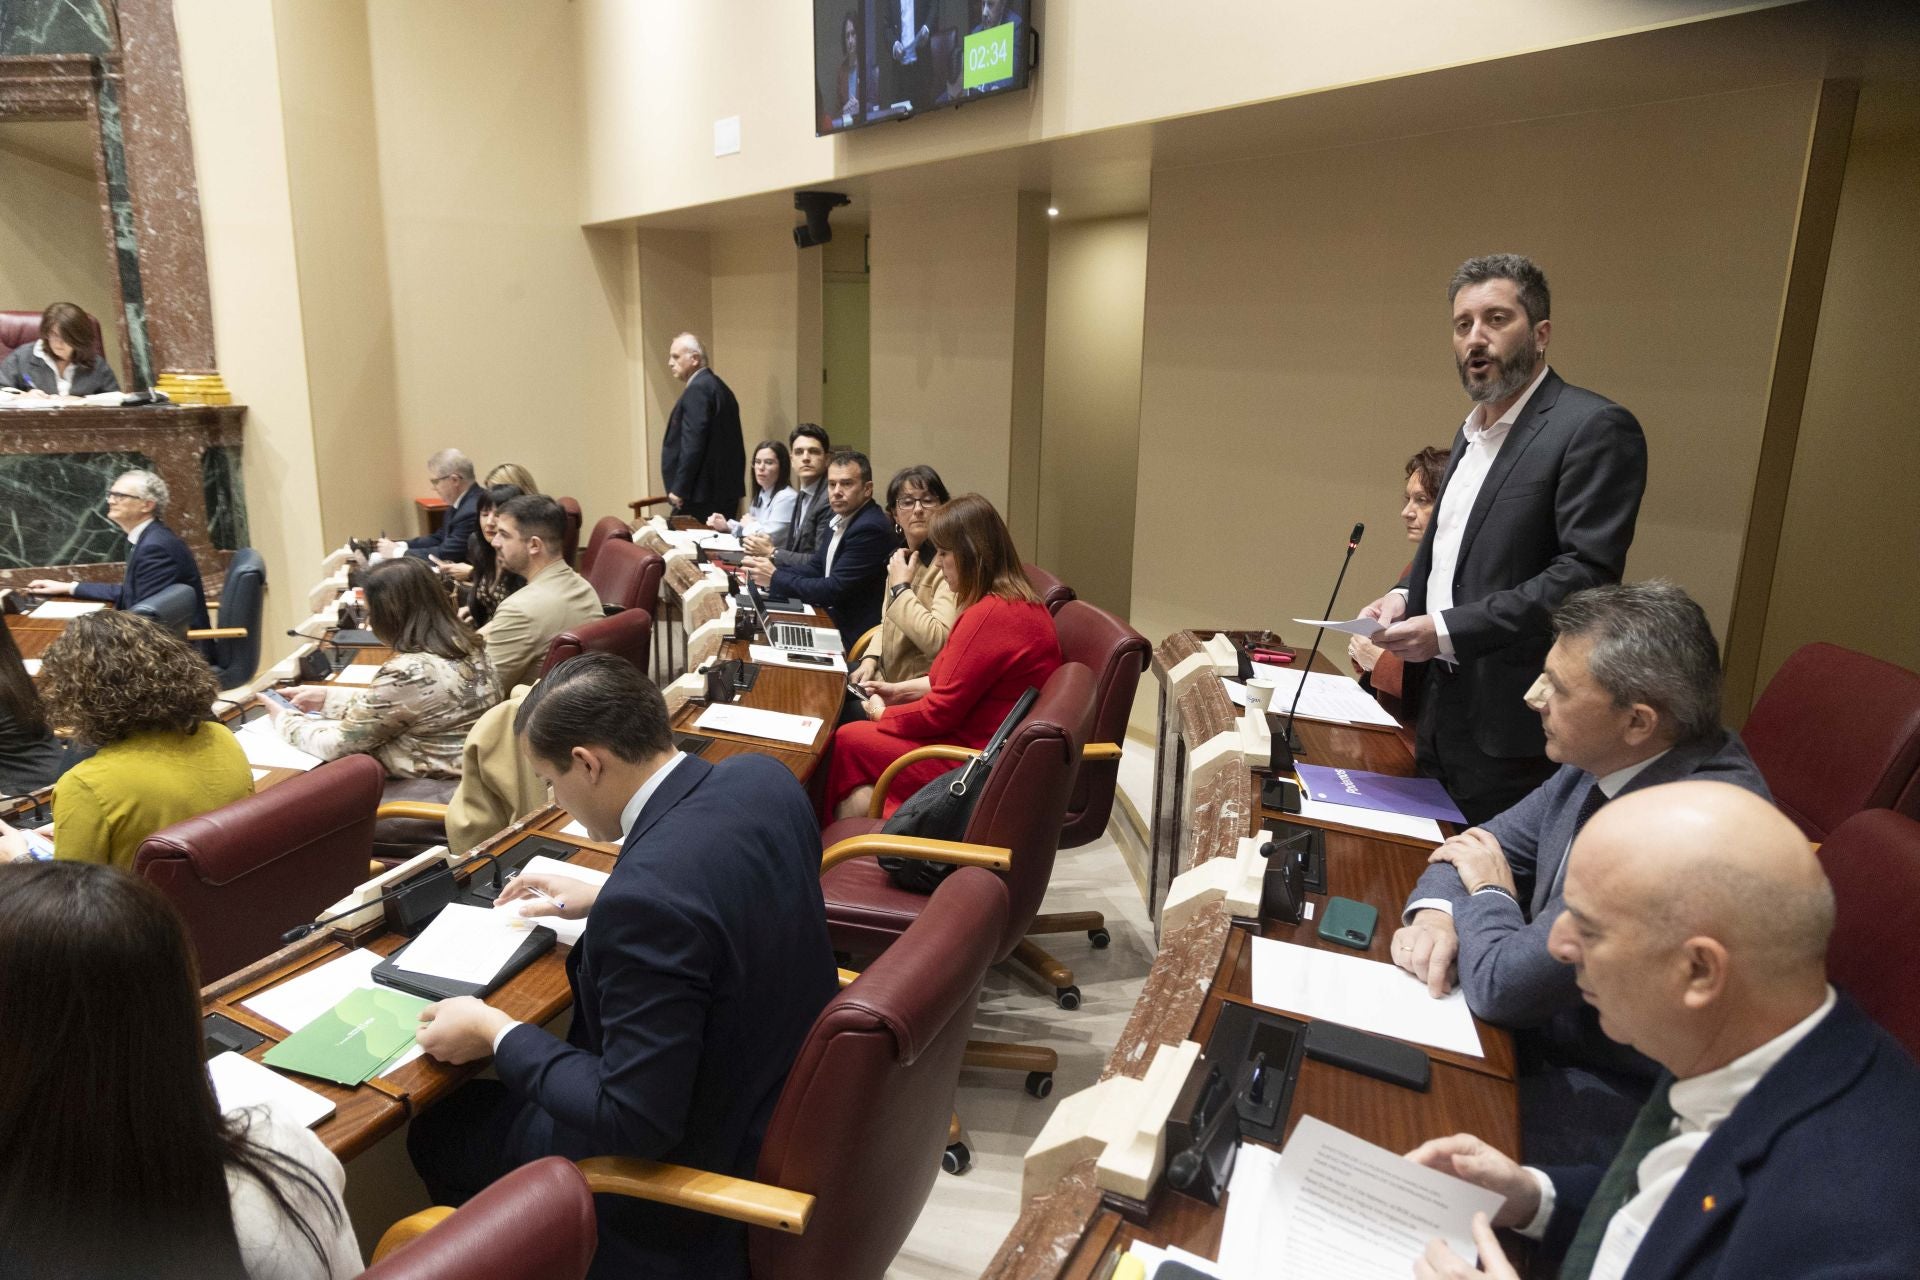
(880, 60)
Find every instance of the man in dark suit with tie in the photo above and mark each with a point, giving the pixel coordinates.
(808, 446)
(158, 559)
(1630, 699)
(847, 575)
(450, 475)
(1539, 500)
(703, 458)
(703, 965)
(1783, 1137)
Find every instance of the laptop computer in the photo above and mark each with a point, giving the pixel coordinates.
(793, 635)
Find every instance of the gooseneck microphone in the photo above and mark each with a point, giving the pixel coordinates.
(1286, 743)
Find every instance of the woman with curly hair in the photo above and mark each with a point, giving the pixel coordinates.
(142, 697)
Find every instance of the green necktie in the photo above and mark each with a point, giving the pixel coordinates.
(1653, 1126)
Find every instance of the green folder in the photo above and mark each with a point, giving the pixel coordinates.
(355, 1039)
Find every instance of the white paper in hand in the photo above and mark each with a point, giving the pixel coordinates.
(1367, 628)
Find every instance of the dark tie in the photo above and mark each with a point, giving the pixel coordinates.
(1653, 1126)
(1589, 805)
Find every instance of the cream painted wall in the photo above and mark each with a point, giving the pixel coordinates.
(1849, 562)
(656, 77)
(509, 341)
(675, 283)
(1090, 437)
(756, 325)
(233, 91)
(1296, 347)
(53, 246)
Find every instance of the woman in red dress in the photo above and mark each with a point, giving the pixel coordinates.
(1002, 644)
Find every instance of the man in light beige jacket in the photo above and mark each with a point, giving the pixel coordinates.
(528, 536)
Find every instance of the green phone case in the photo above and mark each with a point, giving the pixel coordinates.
(1348, 923)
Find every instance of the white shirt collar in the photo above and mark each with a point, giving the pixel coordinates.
(1613, 782)
(1497, 431)
(1702, 1102)
(638, 801)
(133, 534)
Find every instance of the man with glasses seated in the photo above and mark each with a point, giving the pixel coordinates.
(450, 476)
(135, 502)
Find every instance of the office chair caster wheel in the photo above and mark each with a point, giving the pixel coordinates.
(956, 1159)
(1039, 1084)
(1100, 939)
(1067, 997)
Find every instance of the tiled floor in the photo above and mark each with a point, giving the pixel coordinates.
(966, 1217)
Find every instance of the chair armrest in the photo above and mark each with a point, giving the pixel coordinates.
(217, 633)
(1100, 751)
(936, 752)
(992, 857)
(861, 645)
(410, 1228)
(421, 809)
(740, 1199)
(639, 505)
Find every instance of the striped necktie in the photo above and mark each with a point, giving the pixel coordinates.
(1653, 1126)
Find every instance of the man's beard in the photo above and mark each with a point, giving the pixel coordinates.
(1512, 375)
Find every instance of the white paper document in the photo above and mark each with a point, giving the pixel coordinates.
(299, 1000)
(805, 660)
(1337, 698)
(576, 828)
(1364, 627)
(1347, 815)
(1336, 1205)
(357, 673)
(466, 944)
(756, 722)
(720, 542)
(241, 1082)
(1151, 1256)
(32, 665)
(57, 609)
(1356, 992)
(266, 749)
(568, 931)
(403, 1060)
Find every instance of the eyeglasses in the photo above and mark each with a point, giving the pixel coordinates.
(922, 503)
(126, 497)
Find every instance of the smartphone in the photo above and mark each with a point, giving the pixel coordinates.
(811, 659)
(1349, 923)
(859, 694)
(38, 847)
(279, 699)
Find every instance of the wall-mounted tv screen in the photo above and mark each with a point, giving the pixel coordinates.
(878, 60)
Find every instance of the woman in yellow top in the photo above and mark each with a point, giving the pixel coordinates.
(142, 697)
(920, 606)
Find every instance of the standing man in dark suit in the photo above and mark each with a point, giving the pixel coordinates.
(158, 559)
(704, 963)
(1630, 699)
(703, 459)
(847, 575)
(1783, 1138)
(1539, 500)
(450, 476)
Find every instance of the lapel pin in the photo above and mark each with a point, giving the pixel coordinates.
(1706, 1205)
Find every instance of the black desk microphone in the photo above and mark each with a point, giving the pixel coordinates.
(1284, 742)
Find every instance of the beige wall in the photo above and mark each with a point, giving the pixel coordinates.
(1846, 570)
(1090, 440)
(675, 285)
(1296, 348)
(756, 324)
(53, 245)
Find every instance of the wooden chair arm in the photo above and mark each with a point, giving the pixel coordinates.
(217, 633)
(861, 645)
(421, 809)
(410, 1228)
(639, 505)
(1100, 751)
(740, 1199)
(877, 806)
(992, 857)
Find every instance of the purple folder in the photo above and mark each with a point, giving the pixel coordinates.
(1414, 797)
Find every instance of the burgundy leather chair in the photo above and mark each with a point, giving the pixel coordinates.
(1836, 732)
(1053, 592)
(1020, 811)
(608, 527)
(536, 1223)
(628, 633)
(570, 547)
(627, 577)
(1873, 861)
(854, 1143)
(245, 873)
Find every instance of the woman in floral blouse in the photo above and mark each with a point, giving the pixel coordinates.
(415, 715)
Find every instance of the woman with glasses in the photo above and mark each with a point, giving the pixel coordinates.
(920, 605)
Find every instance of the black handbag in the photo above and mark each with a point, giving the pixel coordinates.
(941, 809)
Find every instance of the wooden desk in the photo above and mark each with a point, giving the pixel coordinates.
(802, 693)
(1064, 1232)
(33, 636)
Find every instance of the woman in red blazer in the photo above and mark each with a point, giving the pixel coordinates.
(1002, 644)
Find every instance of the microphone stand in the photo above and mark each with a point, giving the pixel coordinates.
(1286, 743)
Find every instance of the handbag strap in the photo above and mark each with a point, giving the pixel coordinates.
(984, 761)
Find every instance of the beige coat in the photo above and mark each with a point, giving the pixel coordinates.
(915, 623)
(497, 783)
(554, 600)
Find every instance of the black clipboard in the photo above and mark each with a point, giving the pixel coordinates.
(540, 940)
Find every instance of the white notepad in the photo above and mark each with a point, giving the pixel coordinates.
(1370, 995)
(466, 944)
(32, 665)
(299, 1000)
(567, 931)
(266, 749)
(755, 722)
(56, 609)
(241, 1082)
(357, 673)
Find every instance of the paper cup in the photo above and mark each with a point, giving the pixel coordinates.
(1260, 696)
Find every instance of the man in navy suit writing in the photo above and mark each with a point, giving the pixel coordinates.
(704, 963)
(1783, 1138)
(158, 559)
(848, 572)
(451, 477)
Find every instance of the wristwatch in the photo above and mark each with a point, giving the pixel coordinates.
(893, 592)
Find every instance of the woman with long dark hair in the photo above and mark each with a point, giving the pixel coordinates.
(488, 581)
(771, 511)
(30, 756)
(115, 1161)
(415, 715)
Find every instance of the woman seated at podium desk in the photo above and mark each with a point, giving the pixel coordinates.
(415, 715)
(65, 362)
